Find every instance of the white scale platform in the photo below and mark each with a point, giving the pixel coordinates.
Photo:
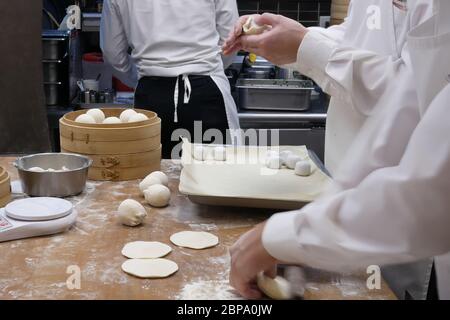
(32, 217)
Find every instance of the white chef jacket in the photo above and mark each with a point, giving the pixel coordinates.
(167, 38)
(356, 64)
(396, 207)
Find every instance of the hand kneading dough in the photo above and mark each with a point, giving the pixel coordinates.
(137, 117)
(131, 213)
(194, 239)
(85, 118)
(157, 195)
(150, 268)
(303, 168)
(278, 288)
(148, 182)
(125, 115)
(161, 176)
(97, 114)
(145, 250)
(251, 27)
(112, 120)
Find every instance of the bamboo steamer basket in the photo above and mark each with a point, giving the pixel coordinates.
(339, 10)
(5, 187)
(125, 151)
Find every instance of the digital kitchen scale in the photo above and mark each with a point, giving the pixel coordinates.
(32, 217)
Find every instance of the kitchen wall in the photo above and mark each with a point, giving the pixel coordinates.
(305, 11)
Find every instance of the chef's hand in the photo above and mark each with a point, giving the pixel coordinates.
(279, 45)
(248, 258)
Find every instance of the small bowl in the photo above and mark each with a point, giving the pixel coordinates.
(56, 183)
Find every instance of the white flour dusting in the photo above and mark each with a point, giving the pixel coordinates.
(208, 290)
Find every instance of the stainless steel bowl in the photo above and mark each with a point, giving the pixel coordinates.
(53, 184)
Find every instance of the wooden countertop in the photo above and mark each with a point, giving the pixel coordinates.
(36, 268)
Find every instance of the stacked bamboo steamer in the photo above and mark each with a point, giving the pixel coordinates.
(5, 187)
(339, 10)
(124, 151)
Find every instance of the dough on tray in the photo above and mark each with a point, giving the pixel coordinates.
(194, 239)
(145, 250)
(150, 268)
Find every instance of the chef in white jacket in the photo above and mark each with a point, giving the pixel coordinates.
(397, 208)
(175, 61)
(355, 62)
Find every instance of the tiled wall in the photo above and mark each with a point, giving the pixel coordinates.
(305, 11)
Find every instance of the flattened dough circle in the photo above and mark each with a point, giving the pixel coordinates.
(145, 250)
(150, 268)
(194, 239)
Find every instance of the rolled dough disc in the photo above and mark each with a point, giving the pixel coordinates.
(150, 268)
(145, 250)
(278, 288)
(194, 239)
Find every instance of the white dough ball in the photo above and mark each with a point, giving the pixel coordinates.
(125, 115)
(36, 169)
(137, 117)
(284, 155)
(97, 114)
(292, 160)
(220, 153)
(50, 170)
(85, 118)
(112, 120)
(303, 168)
(274, 162)
(199, 153)
(149, 181)
(157, 195)
(131, 213)
(161, 176)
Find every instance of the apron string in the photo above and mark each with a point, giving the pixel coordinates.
(187, 94)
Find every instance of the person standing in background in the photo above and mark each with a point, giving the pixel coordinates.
(175, 63)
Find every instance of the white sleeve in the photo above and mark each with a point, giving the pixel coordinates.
(114, 44)
(358, 77)
(396, 215)
(226, 16)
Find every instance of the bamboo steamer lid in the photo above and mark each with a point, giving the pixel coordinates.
(339, 11)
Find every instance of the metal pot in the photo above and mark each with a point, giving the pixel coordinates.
(53, 184)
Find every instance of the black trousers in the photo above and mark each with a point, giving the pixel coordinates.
(206, 104)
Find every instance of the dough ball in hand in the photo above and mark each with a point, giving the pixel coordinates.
(157, 195)
(278, 288)
(149, 181)
(252, 28)
(125, 115)
(303, 168)
(137, 117)
(85, 118)
(112, 120)
(97, 114)
(161, 176)
(274, 162)
(131, 213)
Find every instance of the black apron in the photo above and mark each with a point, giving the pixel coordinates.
(205, 104)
